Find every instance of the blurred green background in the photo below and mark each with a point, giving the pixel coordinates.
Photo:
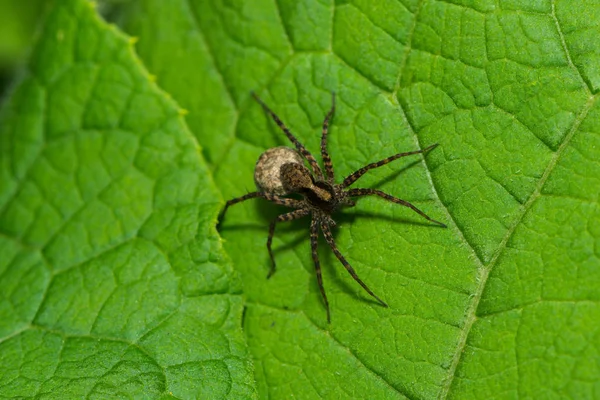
(19, 22)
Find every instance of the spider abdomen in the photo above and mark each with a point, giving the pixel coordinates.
(267, 172)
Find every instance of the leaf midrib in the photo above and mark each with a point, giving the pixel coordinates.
(485, 270)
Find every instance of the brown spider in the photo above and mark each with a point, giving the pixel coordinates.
(321, 197)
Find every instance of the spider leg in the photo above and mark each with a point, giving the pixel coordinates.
(314, 239)
(366, 192)
(305, 153)
(245, 197)
(282, 218)
(331, 242)
(350, 179)
(282, 201)
(324, 153)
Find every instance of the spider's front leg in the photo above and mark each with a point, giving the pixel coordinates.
(350, 179)
(314, 240)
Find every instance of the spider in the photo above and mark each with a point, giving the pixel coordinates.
(320, 197)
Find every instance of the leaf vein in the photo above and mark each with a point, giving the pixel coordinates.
(565, 47)
(471, 316)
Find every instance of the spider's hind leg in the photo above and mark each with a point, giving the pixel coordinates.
(245, 197)
(314, 240)
(299, 146)
(282, 218)
(346, 264)
(282, 201)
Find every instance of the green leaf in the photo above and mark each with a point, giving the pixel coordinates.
(114, 281)
(17, 25)
(501, 304)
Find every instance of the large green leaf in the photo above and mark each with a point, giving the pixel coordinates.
(114, 282)
(503, 303)
(113, 277)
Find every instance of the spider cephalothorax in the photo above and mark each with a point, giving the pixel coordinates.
(321, 196)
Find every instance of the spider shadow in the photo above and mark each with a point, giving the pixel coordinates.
(350, 217)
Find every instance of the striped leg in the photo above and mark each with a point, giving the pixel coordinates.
(282, 218)
(305, 153)
(282, 201)
(350, 179)
(314, 239)
(375, 192)
(324, 153)
(245, 197)
(331, 242)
